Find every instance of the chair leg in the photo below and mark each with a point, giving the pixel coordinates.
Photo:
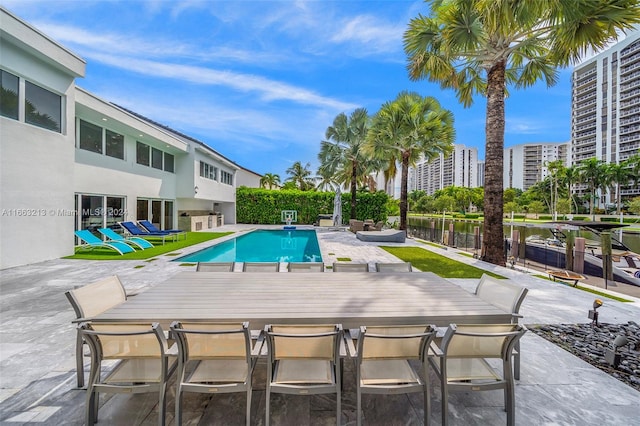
(248, 411)
(358, 406)
(427, 397)
(179, 405)
(162, 404)
(516, 361)
(80, 359)
(267, 404)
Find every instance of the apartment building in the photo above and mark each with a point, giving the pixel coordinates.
(605, 117)
(460, 168)
(70, 160)
(526, 164)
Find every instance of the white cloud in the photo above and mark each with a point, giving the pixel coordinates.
(370, 34)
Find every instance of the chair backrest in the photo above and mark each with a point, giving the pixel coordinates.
(305, 267)
(211, 340)
(379, 225)
(313, 341)
(481, 340)
(86, 236)
(95, 298)
(394, 267)
(148, 226)
(350, 267)
(124, 340)
(215, 266)
(501, 293)
(261, 267)
(111, 234)
(132, 228)
(395, 342)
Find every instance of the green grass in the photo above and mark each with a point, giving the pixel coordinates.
(427, 261)
(158, 249)
(588, 290)
(343, 259)
(464, 253)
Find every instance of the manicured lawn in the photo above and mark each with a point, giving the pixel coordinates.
(428, 261)
(168, 248)
(589, 290)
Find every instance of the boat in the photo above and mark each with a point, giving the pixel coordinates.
(552, 251)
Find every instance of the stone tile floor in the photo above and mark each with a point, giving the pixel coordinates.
(37, 375)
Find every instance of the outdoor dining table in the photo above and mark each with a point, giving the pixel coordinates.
(352, 299)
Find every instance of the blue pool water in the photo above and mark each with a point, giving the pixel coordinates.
(263, 246)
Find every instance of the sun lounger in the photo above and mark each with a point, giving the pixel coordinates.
(386, 236)
(91, 242)
(133, 230)
(150, 227)
(141, 243)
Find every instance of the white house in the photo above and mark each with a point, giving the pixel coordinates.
(70, 160)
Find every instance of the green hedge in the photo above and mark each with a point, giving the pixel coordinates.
(264, 206)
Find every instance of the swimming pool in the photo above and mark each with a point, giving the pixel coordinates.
(263, 245)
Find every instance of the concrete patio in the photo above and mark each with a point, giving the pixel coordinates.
(37, 365)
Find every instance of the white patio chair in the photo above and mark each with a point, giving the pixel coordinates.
(461, 361)
(261, 267)
(305, 267)
(222, 357)
(145, 362)
(508, 297)
(215, 266)
(350, 267)
(89, 301)
(382, 362)
(394, 267)
(303, 360)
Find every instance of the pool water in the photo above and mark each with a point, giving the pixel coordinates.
(263, 246)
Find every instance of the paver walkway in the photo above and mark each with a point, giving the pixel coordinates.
(37, 363)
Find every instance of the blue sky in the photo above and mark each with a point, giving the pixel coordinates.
(260, 81)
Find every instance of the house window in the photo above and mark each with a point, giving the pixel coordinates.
(114, 144)
(208, 171)
(9, 95)
(156, 158)
(168, 163)
(226, 177)
(90, 137)
(142, 154)
(42, 108)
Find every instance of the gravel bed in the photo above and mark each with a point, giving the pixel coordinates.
(590, 343)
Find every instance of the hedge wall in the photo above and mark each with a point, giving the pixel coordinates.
(263, 206)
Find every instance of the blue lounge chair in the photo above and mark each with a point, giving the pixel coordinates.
(92, 241)
(141, 243)
(152, 228)
(133, 230)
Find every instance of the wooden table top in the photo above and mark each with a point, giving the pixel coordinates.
(349, 298)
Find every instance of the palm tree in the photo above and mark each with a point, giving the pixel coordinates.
(406, 129)
(592, 173)
(570, 176)
(341, 155)
(299, 175)
(618, 176)
(270, 180)
(480, 46)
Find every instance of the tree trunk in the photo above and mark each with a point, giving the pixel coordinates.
(354, 174)
(493, 238)
(403, 191)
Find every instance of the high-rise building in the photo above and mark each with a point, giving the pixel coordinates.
(605, 118)
(460, 168)
(526, 164)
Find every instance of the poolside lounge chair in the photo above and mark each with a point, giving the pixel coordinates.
(223, 361)
(141, 243)
(91, 241)
(460, 362)
(303, 360)
(383, 362)
(89, 301)
(145, 362)
(133, 230)
(150, 227)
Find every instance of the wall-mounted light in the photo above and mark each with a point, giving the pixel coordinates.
(195, 189)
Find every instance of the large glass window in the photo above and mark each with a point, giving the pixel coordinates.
(142, 209)
(208, 171)
(156, 158)
(91, 212)
(115, 212)
(159, 212)
(42, 108)
(226, 177)
(168, 215)
(114, 144)
(168, 163)
(90, 137)
(142, 154)
(9, 95)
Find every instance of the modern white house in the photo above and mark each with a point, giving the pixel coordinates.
(70, 160)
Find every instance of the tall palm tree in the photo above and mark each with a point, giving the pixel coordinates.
(570, 176)
(341, 153)
(406, 129)
(481, 46)
(618, 175)
(299, 175)
(270, 180)
(592, 172)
